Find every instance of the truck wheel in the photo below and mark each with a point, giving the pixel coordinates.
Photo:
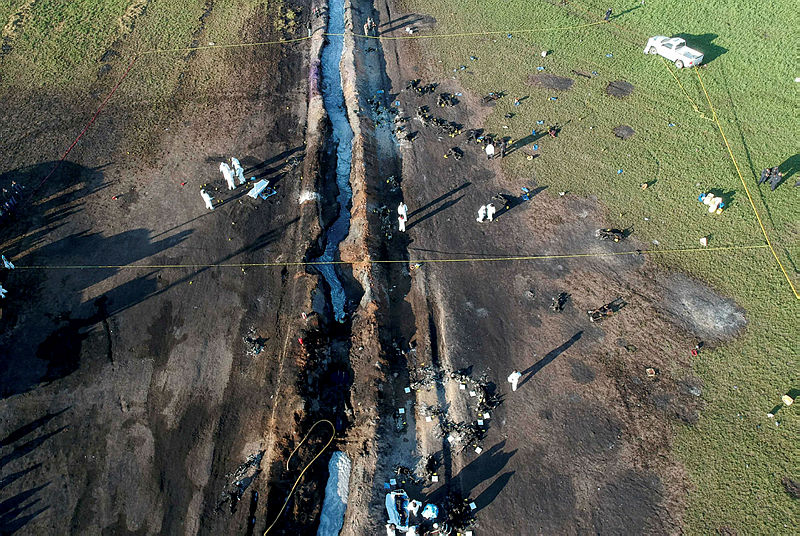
(652, 50)
(679, 64)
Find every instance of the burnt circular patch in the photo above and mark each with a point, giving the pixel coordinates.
(551, 81)
(619, 88)
(624, 132)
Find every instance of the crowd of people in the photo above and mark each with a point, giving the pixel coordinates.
(772, 176)
(11, 198)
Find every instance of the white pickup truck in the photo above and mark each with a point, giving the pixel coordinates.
(674, 49)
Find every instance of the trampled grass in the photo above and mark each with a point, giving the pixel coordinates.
(736, 456)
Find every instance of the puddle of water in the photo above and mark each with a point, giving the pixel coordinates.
(342, 138)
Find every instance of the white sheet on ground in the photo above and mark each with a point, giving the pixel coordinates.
(259, 187)
(335, 503)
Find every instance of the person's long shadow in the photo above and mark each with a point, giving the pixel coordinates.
(11, 510)
(32, 426)
(479, 470)
(438, 199)
(625, 12)
(253, 168)
(512, 201)
(529, 372)
(397, 24)
(527, 140)
(789, 167)
(432, 213)
(488, 495)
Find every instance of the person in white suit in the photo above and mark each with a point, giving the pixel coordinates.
(490, 210)
(228, 174)
(238, 170)
(402, 210)
(207, 198)
(513, 379)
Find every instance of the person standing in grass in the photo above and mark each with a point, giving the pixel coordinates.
(608, 15)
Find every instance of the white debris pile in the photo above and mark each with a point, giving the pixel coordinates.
(335, 503)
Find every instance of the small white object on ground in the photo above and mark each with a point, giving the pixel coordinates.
(478, 450)
(428, 418)
(401, 410)
(435, 478)
(485, 415)
(450, 439)
(704, 241)
(473, 506)
(207, 198)
(336, 492)
(473, 393)
(544, 53)
(407, 390)
(480, 422)
(489, 150)
(462, 386)
(787, 400)
(259, 187)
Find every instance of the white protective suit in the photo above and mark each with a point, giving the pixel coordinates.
(207, 198)
(238, 170)
(228, 174)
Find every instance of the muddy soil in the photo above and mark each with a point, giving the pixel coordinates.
(133, 400)
(583, 445)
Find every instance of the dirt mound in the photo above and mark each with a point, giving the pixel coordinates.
(702, 311)
(619, 88)
(624, 132)
(551, 81)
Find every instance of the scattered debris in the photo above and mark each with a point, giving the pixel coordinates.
(559, 302)
(613, 234)
(596, 315)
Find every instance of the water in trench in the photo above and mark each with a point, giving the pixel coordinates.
(342, 138)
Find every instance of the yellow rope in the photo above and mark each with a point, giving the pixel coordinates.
(291, 492)
(387, 261)
(377, 37)
(746, 189)
(691, 100)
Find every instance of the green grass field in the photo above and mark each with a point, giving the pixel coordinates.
(736, 456)
(57, 49)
